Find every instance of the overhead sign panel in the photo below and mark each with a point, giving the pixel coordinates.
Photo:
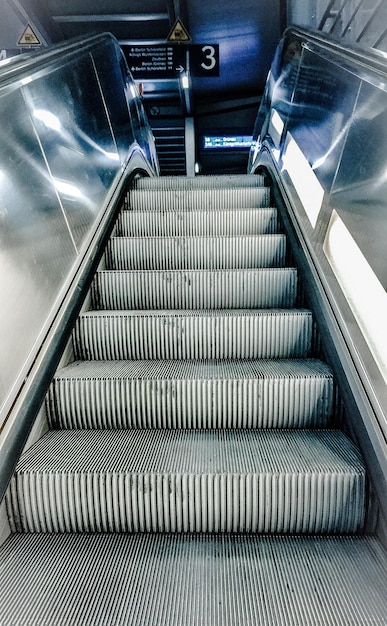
(155, 61)
(204, 59)
(168, 61)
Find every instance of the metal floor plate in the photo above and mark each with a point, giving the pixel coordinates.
(180, 580)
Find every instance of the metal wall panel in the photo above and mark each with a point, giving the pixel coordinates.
(36, 248)
(68, 113)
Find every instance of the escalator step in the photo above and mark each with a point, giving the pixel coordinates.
(191, 394)
(195, 289)
(198, 198)
(132, 253)
(262, 481)
(223, 334)
(199, 182)
(201, 222)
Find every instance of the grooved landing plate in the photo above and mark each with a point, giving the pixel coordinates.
(180, 580)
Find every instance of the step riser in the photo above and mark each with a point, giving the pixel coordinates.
(197, 199)
(143, 403)
(187, 503)
(197, 223)
(202, 253)
(199, 182)
(172, 337)
(195, 290)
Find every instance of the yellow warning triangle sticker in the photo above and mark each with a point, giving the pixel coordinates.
(28, 38)
(178, 32)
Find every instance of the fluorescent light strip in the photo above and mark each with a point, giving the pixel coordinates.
(363, 290)
(305, 181)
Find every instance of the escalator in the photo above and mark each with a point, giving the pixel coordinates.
(195, 469)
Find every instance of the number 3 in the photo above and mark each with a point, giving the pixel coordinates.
(209, 52)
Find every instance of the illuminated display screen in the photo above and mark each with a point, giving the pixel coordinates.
(221, 142)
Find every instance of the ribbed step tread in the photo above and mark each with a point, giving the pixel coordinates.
(195, 289)
(225, 334)
(199, 182)
(191, 394)
(177, 580)
(201, 222)
(153, 253)
(193, 199)
(189, 481)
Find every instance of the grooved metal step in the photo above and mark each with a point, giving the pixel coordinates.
(198, 198)
(201, 222)
(189, 481)
(196, 252)
(175, 429)
(191, 394)
(199, 182)
(195, 289)
(179, 580)
(226, 334)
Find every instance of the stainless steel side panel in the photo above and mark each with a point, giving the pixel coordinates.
(323, 123)
(70, 125)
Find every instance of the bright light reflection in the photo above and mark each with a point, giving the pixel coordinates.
(277, 122)
(67, 188)
(112, 155)
(305, 181)
(49, 119)
(26, 80)
(364, 292)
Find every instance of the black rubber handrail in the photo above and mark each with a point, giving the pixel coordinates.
(17, 67)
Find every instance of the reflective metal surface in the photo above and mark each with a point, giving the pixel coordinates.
(71, 122)
(322, 132)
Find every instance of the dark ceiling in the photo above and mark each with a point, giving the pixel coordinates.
(246, 32)
(224, 54)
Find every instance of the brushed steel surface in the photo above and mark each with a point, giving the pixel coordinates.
(63, 149)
